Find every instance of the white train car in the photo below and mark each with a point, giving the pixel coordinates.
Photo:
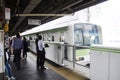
(68, 41)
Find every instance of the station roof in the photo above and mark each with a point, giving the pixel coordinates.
(44, 10)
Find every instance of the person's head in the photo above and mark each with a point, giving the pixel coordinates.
(18, 35)
(39, 37)
(24, 38)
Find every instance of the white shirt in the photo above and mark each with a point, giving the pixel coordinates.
(40, 45)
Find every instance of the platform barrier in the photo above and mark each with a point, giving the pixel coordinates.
(105, 63)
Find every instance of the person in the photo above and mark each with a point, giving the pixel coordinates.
(17, 46)
(41, 52)
(25, 48)
(37, 61)
(10, 52)
(8, 68)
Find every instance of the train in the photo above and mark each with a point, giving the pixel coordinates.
(69, 41)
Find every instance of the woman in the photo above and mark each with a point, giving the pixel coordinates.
(8, 68)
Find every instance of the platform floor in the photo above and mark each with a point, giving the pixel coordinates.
(28, 71)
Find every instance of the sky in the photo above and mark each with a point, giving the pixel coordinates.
(107, 15)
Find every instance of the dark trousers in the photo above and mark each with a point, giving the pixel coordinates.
(17, 57)
(40, 59)
(24, 53)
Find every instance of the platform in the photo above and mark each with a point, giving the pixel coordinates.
(28, 71)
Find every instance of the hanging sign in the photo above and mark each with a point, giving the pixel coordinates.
(34, 22)
(7, 13)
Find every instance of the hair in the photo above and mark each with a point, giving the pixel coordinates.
(39, 37)
(18, 35)
(24, 38)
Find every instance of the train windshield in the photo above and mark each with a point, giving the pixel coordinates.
(86, 34)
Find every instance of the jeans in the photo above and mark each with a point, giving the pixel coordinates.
(8, 69)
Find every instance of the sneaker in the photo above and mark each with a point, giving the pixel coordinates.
(9, 78)
(43, 68)
(12, 77)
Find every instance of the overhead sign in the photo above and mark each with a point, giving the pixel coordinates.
(34, 22)
(7, 13)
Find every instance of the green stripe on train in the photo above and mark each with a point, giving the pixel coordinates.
(105, 49)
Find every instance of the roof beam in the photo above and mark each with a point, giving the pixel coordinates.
(77, 2)
(42, 14)
(17, 5)
(29, 8)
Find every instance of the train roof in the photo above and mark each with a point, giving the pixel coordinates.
(58, 23)
(55, 24)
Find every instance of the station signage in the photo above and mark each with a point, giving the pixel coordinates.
(7, 13)
(34, 22)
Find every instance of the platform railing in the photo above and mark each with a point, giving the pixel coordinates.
(72, 52)
(74, 61)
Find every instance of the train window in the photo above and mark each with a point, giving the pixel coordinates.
(60, 38)
(30, 38)
(57, 36)
(46, 37)
(49, 37)
(63, 38)
(52, 38)
(43, 37)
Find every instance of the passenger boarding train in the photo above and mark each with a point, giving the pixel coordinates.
(68, 40)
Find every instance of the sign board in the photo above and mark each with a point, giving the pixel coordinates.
(7, 13)
(34, 22)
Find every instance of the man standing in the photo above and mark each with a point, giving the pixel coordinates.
(41, 52)
(17, 45)
(38, 58)
(25, 48)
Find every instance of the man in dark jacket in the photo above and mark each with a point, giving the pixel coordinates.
(38, 61)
